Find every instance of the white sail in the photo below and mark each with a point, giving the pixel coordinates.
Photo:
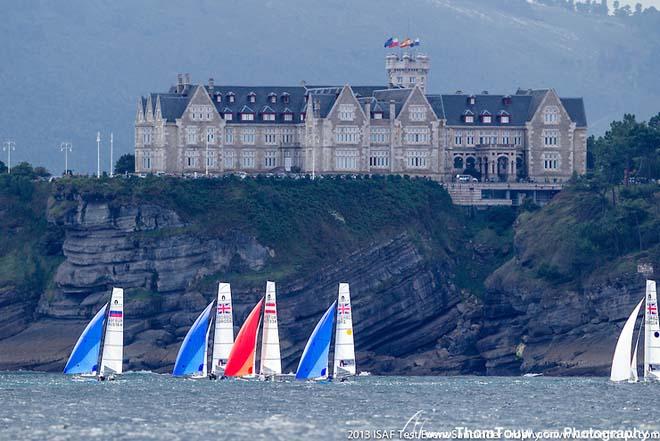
(113, 341)
(271, 363)
(223, 337)
(344, 345)
(634, 377)
(622, 356)
(651, 334)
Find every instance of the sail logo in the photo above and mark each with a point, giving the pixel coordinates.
(116, 314)
(344, 309)
(653, 309)
(225, 308)
(270, 308)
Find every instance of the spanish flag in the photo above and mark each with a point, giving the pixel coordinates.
(406, 43)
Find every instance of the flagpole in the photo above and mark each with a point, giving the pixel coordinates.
(98, 154)
(111, 147)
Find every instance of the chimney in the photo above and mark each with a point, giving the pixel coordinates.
(211, 85)
(392, 110)
(179, 83)
(367, 109)
(317, 108)
(186, 79)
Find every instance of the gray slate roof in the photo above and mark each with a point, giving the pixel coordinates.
(521, 106)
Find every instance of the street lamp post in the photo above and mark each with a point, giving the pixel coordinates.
(8, 146)
(66, 147)
(98, 154)
(112, 167)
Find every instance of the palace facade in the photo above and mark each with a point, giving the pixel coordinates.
(532, 134)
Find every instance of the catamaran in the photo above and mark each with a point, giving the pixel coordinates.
(241, 361)
(313, 364)
(192, 359)
(624, 362)
(100, 348)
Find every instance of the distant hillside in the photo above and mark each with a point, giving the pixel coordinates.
(72, 68)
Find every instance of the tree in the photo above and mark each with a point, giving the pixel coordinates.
(3, 167)
(41, 172)
(125, 164)
(638, 9)
(23, 169)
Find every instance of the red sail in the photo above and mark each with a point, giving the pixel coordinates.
(241, 357)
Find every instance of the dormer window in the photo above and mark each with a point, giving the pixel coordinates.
(228, 116)
(505, 118)
(378, 115)
(268, 117)
(252, 97)
(218, 98)
(272, 98)
(247, 116)
(468, 117)
(288, 116)
(285, 98)
(472, 100)
(302, 117)
(231, 97)
(486, 117)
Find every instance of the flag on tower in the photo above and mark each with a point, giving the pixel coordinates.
(388, 42)
(406, 43)
(392, 42)
(416, 42)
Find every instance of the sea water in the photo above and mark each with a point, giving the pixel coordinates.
(38, 406)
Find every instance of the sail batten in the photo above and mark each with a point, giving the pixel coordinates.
(314, 360)
(622, 354)
(223, 337)
(271, 363)
(191, 359)
(85, 354)
(241, 358)
(344, 363)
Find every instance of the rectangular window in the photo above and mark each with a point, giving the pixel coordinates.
(379, 159)
(551, 138)
(504, 119)
(247, 116)
(146, 160)
(248, 136)
(458, 138)
(191, 135)
(228, 116)
(380, 135)
(551, 115)
(469, 119)
(469, 138)
(288, 117)
(347, 135)
(191, 159)
(517, 139)
(229, 135)
(551, 161)
(487, 119)
(288, 136)
(210, 135)
(270, 137)
(417, 113)
(417, 158)
(247, 158)
(346, 160)
(211, 159)
(506, 138)
(417, 135)
(147, 133)
(270, 159)
(229, 159)
(268, 117)
(346, 112)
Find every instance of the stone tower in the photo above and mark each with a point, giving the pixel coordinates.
(407, 70)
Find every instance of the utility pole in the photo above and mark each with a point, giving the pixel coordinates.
(9, 145)
(98, 154)
(66, 147)
(112, 166)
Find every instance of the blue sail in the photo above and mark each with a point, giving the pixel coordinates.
(314, 360)
(190, 359)
(85, 354)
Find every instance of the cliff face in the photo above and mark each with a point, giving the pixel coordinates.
(414, 311)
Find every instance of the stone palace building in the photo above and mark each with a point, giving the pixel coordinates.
(399, 128)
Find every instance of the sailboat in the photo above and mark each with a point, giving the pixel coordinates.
(241, 360)
(271, 362)
(192, 359)
(624, 363)
(100, 348)
(313, 364)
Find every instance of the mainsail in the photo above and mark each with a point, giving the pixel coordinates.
(344, 347)
(191, 358)
(223, 336)
(271, 364)
(113, 341)
(314, 360)
(85, 355)
(241, 357)
(651, 334)
(622, 357)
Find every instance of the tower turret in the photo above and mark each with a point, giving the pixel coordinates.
(407, 70)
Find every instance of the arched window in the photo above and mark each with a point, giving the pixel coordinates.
(458, 163)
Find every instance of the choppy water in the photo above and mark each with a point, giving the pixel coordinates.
(149, 406)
